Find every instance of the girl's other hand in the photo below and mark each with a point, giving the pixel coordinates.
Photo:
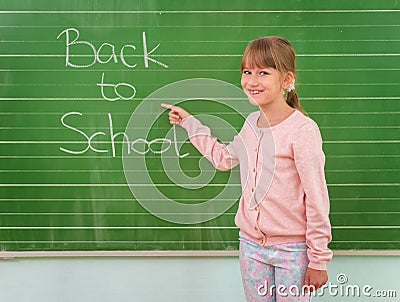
(176, 114)
(315, 278)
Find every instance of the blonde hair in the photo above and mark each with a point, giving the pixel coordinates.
(273, 52)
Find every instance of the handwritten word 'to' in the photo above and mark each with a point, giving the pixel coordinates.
(116, 86)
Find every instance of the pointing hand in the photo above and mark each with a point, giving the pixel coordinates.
(176, 114)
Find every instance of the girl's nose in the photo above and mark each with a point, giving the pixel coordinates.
(253, 81)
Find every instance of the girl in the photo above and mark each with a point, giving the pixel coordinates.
(284, 236)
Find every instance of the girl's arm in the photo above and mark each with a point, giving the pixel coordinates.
(221, 156)
(310, 160)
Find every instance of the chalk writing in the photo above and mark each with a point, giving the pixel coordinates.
(163, 144)
(105, 54)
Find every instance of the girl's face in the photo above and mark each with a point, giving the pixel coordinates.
(262, 85)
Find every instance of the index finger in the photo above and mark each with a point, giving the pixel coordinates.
(168, 106)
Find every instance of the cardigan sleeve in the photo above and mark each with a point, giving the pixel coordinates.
(223, 157)
(310, 160)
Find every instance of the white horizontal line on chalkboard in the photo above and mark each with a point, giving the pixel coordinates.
(195, 11)
(212, 41)
(122, 214)
(115, 228)
(117, 171)
(220, 112)
(155, 171)
(367, 227)
(351, 98)
(176, 199)
(305, 84)
(98, 199)
(115, 241)
(162, 228)
(363, 198)
(216, 26)
(324, 127)
(314, 70)
(355, 112)
(363, 142)
(146, 214)
(365, 241)
(364, 185)
(116, 129)
(230, 99)
(67, 156)
(113, 185)
(72, 142)
(52, 99)
(160, 170)
(119, 157)
(174, 185)
(312, 84)
(64, 85)
(131, 200)
(197, 70)
(357, 213)
(101, 99)
(210, 55)
(105, 142)
(215, 112)
(102, 128)
(347, 171)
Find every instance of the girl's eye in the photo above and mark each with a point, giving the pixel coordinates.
(264, 73)
(246, 72)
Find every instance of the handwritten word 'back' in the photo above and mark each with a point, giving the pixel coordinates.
(72, 41)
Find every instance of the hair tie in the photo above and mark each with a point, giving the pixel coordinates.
(291, 86)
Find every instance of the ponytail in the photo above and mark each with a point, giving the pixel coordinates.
(293, 101)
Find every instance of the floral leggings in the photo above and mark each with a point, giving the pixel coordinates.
(273, 273)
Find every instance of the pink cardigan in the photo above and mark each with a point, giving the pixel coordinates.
(284, 192)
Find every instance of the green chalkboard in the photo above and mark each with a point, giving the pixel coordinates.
(74, 75)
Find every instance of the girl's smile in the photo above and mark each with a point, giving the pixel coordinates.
(252, 91)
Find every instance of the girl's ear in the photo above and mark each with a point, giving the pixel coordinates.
(287, 79)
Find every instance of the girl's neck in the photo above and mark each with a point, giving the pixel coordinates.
(273, 114)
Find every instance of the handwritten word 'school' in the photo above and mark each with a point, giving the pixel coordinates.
(105, 50)
(157, 146)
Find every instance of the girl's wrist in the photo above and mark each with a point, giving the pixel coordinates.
(184, 119)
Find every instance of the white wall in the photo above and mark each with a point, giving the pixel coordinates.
(185, 279)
